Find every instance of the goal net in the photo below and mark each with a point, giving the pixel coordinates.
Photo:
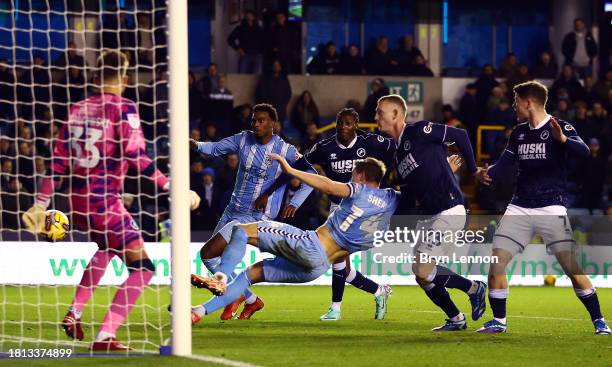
(48, 53)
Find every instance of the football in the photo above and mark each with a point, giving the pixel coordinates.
(56, 225)
(549, 280)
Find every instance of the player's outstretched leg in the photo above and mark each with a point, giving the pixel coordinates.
(89, 281)
(425, 275)
(584, 290)
(498, 291)
(141, 271)
(476, 290)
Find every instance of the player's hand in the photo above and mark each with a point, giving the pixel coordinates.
(261, 202)
(34, 219)
(482, 174)
(289, 212)
(556, 131)
(193, 144)
(283, 162)
(455, 161)
(194, 200)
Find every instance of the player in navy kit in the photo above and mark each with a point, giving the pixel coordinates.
(337, 155)
(540, 146)
(421, 159)
(302, 256)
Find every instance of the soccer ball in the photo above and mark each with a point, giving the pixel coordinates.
(56, 225)
(549, 280)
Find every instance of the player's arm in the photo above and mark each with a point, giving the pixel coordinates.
(34, 218)
(439, 133)
(227, 145)
(133, 144)
(318, 182)
(503, 164)
(568, 136)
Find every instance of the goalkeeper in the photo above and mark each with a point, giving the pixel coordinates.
(101, 140)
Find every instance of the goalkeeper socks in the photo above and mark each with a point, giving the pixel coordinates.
(234, 251)
(338, 277)
(359, 281)
(497, 300)
(440, 297)
(589, 299)
(447, 278)
(233, 291)
(126, 296)
(90, 279)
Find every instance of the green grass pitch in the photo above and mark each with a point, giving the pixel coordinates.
(547, 327)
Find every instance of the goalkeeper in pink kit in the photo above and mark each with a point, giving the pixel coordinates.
(101, 140)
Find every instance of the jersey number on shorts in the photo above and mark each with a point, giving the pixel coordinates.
(92, 156)
(355, 213)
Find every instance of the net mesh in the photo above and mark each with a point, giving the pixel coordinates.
(48, 52)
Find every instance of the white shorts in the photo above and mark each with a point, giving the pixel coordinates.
(452, 219)
(518, 226)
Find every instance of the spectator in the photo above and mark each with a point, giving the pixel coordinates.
(34, 88)
(563, 110)
(25, 165)
(405, 54)
(145, 39)
(592, 176)
(579, 48)
(242, 118)
(469, 110)
(247, 40)
(589, 93)
(419, 68)
(508, 68)
(351, 62)
(547, 68)
(220, 106)
(13, 203)
(326, 62)
(311, 137)
(6, 173)
(503, 114)
(195, 102)
(521, 76)
(378, 89)
(449, 118)
(7, 96)
(207, 215)
(281, 39)
(275, 90)
(567, 80)
(497, 95)
(582, 123)
(603, 86)
(227, 173)
(379, 60)
(484, 84)
(304, 112)
(71, 57)
(195, 134)
(76, 84)
(7, 147)
(210, 132)
(195, 178)
(210, 81)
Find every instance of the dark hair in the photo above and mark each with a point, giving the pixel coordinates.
(348, 111)
(112, 64)
(373, 169)
(532, 89)
(265, 107)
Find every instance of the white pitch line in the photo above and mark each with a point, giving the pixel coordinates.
(517, 317)
(219, 360)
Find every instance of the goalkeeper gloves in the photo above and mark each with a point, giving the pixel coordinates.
(34, 218)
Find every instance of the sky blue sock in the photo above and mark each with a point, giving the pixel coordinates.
(234, 289)
(234, 251)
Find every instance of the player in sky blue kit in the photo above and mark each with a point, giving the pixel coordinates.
(421, 159)
(540, 145)
(302, 256)
(256, 173)
(337, 155)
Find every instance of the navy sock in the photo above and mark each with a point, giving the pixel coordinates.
(498, 306)
(440, 297)
(363, 283)
(449, 279)
(591, 302)
(338, 277)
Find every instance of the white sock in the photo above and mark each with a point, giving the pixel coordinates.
(473, 288)
(336, 306)
(252, 298)
(104, 335)
(503, 321)
(459, 317)
(199, 310)
(76, 312)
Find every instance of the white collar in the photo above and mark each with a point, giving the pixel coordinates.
(350, 145)
(540, 124)
(397, 143)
